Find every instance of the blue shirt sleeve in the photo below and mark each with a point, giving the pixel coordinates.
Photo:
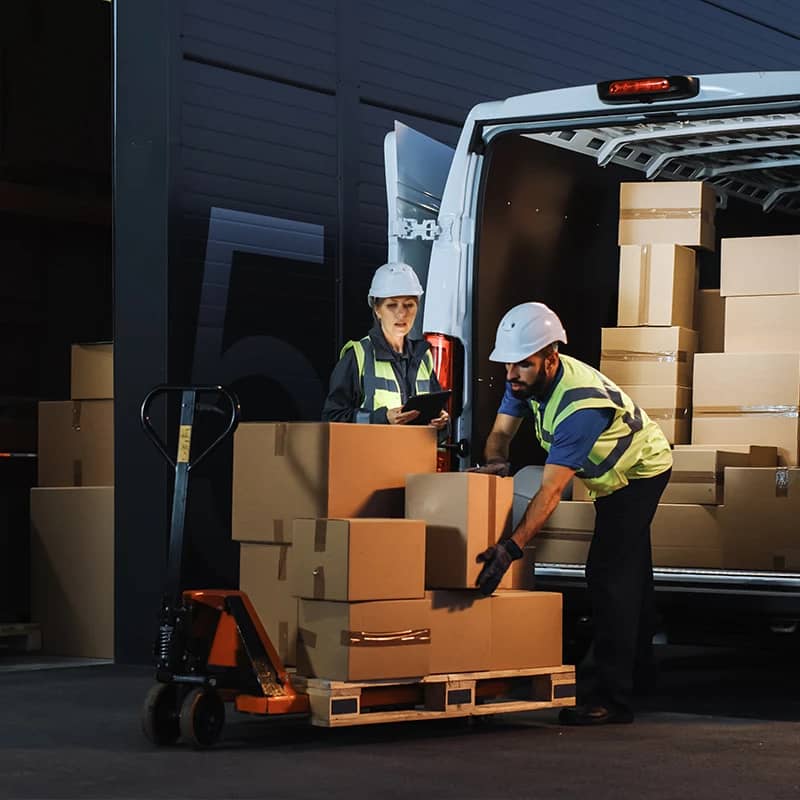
(574, 438)
(512, 406)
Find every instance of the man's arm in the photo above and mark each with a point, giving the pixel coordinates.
(554, 480)
(498, 443)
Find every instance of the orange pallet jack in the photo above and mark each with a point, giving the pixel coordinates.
(211, 647)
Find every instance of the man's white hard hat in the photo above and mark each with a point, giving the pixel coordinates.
(525, 330)
(394, 279)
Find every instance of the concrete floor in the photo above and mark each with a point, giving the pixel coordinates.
(724, 724)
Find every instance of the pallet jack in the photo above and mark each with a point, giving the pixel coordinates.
(211, 647)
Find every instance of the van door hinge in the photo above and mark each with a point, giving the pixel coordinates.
(426, 229)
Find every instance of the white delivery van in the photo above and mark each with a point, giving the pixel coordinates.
(527, 207)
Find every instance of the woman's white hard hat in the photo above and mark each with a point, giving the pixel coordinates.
(394, 279)
(525, 330)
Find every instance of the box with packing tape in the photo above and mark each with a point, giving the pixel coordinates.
(657, 285)
(283, 471)
(709, 321)
(76, 443)
(464, 513)
(264, 575)
(461, 630)
(648, 356)
(358, 559)
(670, 407)
(364, 641)
(673, 212)
(567, 534)
(760, 265)
(740, 398)
(92, 371)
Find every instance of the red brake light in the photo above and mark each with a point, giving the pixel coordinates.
(648, 90)
(642, 86)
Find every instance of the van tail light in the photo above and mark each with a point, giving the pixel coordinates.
(443, 350)
(649, 90)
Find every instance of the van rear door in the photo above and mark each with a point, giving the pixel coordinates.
(416, 172)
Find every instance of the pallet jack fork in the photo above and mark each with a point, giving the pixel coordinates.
(211, 647)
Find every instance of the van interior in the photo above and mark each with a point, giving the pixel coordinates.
(548, 219)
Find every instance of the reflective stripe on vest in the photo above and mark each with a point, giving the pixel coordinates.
(633, 446)
(379, 385)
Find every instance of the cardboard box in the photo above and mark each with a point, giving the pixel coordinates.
(526, 630)
(566, 536)
(657, 285)
(709, 321)
(264, 571)
(283, 471)
(673, 212)
(465, 513)
(364, 641)
(76, 443)
(763, 324)
(358, 559)
(648, 356)
(92, 371)
(740, 398)
(72, 570)
(697, 475)
(756, 265)
(461, 631)
(668, 406)
(690, 536)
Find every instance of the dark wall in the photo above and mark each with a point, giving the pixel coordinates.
(269, 119)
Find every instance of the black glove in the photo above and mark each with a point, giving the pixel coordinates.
(496, 467)
(496, 560)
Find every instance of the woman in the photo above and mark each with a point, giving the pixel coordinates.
(376, 375)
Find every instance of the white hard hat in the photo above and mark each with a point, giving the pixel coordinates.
(394, 279)
(525, 330)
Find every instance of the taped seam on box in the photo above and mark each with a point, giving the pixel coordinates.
(386, 638)
(667, 413)
(575, 534)
(667, 356)
(695, 477)
(491, 533)
(306, 637)
(782, 478)
(318, 573)
(284, 551)
(281, 433)
(76, 415)
(644, 284)
(320, 536)
(665, 213)
(277, 530)
(774, 411)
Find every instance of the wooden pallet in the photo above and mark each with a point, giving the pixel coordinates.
(340, 703)
(20, 637)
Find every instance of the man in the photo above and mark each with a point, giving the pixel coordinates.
(589, 428)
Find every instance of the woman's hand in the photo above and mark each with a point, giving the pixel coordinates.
(397, 416)
(441, 421)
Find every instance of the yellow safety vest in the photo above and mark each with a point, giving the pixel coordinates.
(633, 446)
(379, 385)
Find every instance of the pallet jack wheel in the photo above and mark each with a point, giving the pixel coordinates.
(160, 715)
(202, 717)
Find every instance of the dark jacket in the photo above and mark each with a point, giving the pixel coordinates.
(345, 395)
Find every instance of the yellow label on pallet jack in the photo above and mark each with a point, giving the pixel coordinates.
(184, 443)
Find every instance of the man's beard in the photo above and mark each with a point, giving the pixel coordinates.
(535, 389)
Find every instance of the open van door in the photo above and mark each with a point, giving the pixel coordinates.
(416, 172)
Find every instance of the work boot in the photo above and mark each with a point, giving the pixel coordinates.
(595, 715)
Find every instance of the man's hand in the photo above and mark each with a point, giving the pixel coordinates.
(396, 416)
(441, 421)
(496, 561)
(498, 467)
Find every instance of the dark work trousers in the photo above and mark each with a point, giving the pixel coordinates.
(619, 574)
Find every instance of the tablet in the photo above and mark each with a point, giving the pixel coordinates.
(428, 405)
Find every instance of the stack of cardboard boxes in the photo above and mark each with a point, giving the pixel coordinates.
(72, 512)
(360, 558)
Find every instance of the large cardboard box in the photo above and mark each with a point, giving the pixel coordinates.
(72, 570)
(283, 471)
(668, 406)
(364, 641)
(461, 631)
(358, 559)
(756, 265)
(264, 571)
(465, 513)
(648, 356)
(709, 321)
(763, 324)
(92, 371)
(657, 285)
(739, 398)
(76, 443)
(526, 630)
(566, 536)
(674, 212)
(690, 536)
